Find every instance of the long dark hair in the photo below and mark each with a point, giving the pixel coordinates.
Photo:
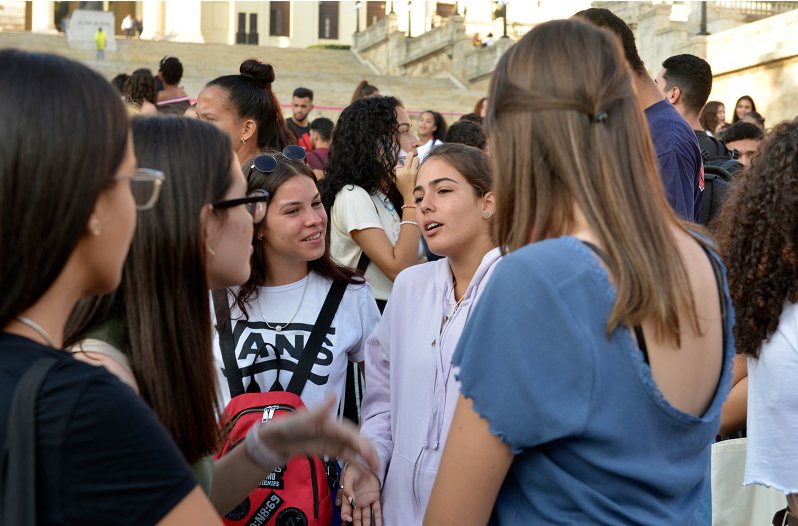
(324, 266)
(48, 191)
(759, 238)
(564, 133)
(163, 300)
(251, 95)
(735, 118)
(440, 125)
(364, 149)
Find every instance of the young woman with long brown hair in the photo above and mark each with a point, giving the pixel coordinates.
(154, 333)
(246, 107)
(415, 340)
(292, 273)
(594, 367)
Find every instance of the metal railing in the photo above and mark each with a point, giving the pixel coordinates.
(757, 9)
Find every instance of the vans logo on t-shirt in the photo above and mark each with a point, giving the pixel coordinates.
(258, 346)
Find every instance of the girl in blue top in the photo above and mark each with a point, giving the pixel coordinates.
(594, 368)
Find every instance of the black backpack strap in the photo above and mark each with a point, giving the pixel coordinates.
(316, 339)
(224, 326)
(363, 263)
(638, 330)
(705, 210)
(18, 461)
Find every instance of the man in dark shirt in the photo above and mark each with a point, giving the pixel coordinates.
(320, 134)
(301, 106)
(686, 81)
(678, 154)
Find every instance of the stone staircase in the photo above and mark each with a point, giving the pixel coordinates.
(331, 74)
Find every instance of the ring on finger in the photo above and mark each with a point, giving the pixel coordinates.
(352, 502)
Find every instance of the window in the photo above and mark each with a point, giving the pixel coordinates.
(375, 11)
(445, 9)
(328, 20)
(280, 19)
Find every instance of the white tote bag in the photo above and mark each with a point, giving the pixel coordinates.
(732, 503)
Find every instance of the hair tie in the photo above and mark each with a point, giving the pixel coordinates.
(600, 117)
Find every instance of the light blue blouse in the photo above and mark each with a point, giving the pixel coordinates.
(595, 441)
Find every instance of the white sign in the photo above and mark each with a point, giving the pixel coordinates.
(83, 26)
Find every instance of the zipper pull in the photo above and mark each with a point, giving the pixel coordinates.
(268, 413)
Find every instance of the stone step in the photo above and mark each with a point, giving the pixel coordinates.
(331, 74)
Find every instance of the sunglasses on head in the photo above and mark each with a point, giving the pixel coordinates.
(266, 163)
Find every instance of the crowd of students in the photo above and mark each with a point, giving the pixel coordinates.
(532, 328)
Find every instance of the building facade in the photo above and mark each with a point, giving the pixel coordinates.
(299, 23)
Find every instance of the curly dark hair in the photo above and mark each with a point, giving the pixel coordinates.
(171, 70)
(759, 238)
(140, 87)
(364, 150)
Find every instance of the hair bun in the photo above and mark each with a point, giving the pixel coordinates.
(261, 74)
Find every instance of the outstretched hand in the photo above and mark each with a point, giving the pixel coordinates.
(359, 496)
(317, 433)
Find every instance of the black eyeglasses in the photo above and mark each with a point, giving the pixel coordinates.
(145, 184)
(266, 163)
(255, 202)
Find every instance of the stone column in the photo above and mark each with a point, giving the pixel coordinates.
(152, 19)
(43, 17)
(184, 21)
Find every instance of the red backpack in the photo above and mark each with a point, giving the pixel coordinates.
(298, 493)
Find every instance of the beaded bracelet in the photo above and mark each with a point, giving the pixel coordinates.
(408, 223)
(405, 207)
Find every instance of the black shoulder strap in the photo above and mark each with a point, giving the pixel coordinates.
(316, 339)
(224, 326)
(641, 339)
(363, 263)
(18, 461)
(705, 209)
(719, 284)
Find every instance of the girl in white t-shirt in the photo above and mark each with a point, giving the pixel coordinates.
(274, 312)
(431, 131)
(758, 236)
(371, 205)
